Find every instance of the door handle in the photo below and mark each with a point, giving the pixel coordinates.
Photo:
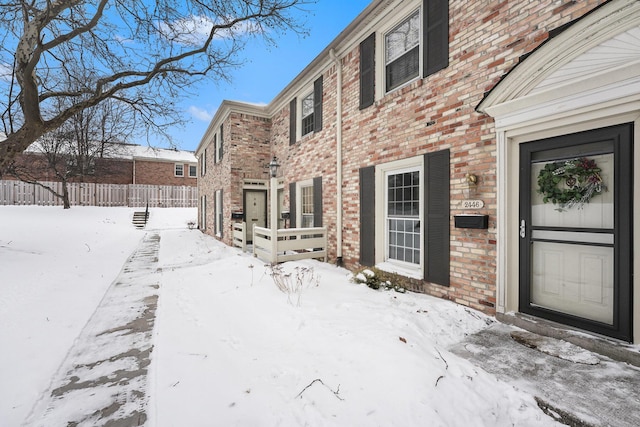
(523, 229)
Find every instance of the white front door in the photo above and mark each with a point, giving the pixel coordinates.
(255, 208)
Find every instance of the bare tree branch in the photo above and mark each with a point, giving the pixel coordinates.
(78, 54)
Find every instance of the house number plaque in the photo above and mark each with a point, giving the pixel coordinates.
(472, 204)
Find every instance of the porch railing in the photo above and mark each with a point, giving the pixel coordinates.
(240, 235)
(291, 244)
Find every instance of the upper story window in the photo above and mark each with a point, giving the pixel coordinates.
(402, 52)
(193, 171)
(179, 169)
(307, 114)
(416, 46)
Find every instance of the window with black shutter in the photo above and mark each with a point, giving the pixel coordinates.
(307, 114)
(416, 46)
(311, 106)
(402, 52)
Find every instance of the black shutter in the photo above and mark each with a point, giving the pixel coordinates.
(292, 121)
(221, 150)
(367, 71)
(436, 35)
(317, 105)
(436, 232)
(292, 205)
(317, 201)
(367, 216)
(221, 213)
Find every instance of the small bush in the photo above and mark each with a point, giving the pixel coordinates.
(376, 279)
(293, 282)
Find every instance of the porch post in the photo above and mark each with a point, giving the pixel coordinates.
(274, 219)
(273, 169)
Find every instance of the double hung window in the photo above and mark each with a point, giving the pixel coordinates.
(403, 216)
(402, 52)
(179, 170)
(307, 206)
(307, 114)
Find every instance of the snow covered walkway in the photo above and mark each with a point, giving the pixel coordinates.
(103, 379)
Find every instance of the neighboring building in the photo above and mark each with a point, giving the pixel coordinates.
(417, 137)
(124, 164)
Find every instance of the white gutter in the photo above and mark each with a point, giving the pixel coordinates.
(332, 54)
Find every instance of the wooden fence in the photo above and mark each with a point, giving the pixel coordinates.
(90, 194)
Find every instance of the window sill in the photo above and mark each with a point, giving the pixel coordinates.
(405, 271)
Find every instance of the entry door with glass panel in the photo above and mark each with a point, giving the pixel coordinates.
(575, 230)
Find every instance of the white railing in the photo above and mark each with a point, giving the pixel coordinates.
(240, 235)
(90, 194)
(291, 244)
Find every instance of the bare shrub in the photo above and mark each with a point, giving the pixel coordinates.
(293, 282)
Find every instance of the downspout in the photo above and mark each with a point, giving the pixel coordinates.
(334, 57)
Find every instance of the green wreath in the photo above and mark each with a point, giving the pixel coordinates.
(570, 183)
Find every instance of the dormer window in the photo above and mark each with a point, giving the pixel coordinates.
(402, 52)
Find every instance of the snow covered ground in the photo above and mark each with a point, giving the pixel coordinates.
(231, 349)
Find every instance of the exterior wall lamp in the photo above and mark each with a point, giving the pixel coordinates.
(273, 167)
(471, 185)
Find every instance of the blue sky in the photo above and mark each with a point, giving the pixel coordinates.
(267, 70)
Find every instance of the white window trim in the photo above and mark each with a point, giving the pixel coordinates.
(216, 147)
(404, 13)
(219, 209)
(302, 116)
(203, 212)
(175, 170)
(203, 163)
(403, 268)
(195, 173)
(299, 186)
(306, 91)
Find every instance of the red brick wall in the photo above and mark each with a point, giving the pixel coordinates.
(107, 171)
(161, 173)
(246, 150)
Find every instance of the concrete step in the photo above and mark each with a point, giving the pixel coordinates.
(140, 219)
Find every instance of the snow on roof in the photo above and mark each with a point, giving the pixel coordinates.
(145, 152)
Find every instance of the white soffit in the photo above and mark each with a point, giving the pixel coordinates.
(595, 60)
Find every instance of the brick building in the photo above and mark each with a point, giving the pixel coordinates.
(419, 136)
(125, 164)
